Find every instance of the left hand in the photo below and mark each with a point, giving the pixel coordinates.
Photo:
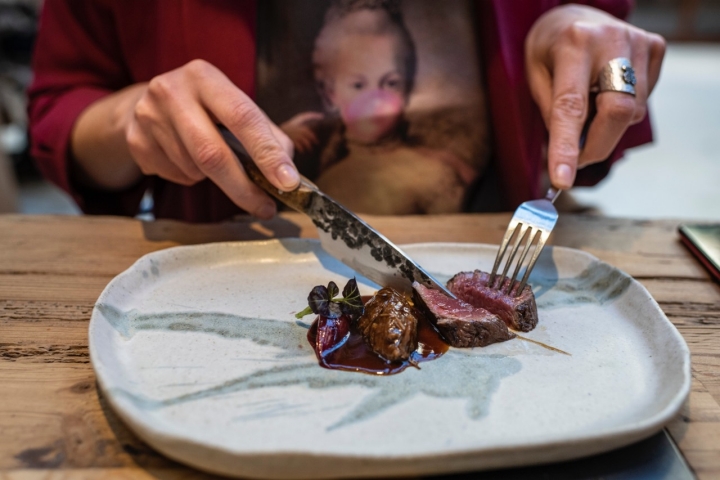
(564, 53)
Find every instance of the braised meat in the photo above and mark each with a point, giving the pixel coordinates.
(460, 323)
(518, 313)
(389, 325)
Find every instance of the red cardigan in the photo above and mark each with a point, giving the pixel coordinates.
(87, 49)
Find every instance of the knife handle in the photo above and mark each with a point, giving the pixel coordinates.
(298, 199)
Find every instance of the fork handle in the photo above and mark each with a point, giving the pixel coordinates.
(552, 194)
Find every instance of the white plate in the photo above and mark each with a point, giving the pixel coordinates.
(198, 351)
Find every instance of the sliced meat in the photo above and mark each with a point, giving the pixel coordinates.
(518, 313)
(389, 325)
(460, 323)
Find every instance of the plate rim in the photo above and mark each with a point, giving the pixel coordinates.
(618, 435)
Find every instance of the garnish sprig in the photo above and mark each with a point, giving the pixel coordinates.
(324, 301)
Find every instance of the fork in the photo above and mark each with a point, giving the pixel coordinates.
(538, 215)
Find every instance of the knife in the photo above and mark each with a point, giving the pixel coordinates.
(343, 234)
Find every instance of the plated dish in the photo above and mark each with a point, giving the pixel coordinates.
(198, 350)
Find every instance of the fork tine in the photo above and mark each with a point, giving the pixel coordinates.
(526, 248)
(520, 235)
(538, 248)
(512, 227)
(533, 220)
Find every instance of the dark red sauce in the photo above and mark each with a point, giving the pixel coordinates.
(356, 356)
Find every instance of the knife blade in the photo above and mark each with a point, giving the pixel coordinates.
(343, 234)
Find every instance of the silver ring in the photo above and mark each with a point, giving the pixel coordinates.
(617, 76)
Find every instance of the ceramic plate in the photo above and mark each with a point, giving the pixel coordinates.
(198, 351)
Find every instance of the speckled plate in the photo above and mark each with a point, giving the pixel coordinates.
(198, 351)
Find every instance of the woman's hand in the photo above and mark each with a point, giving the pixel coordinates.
(168, 128)
(565, 52)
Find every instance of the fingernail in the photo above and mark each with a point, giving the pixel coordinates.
(564, 176)
(266, 211)
(287, 176)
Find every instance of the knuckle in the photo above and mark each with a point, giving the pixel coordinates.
(570, 105)
(195, 176)
(244, 115)
(136, 144)
(639, 41)
(143, 159)
(161, 87)
(144, 162)
(613, 32)
(247, 198)
(146, 169)
(198, 67)
(657, 43)
(639, 114)
(567, 150)
(143, 111)
(267, 154)
(156, 84)
(621, 109)
(574, 34)
(577, 33)
(195, 179)
(132, 138)
(210, 157)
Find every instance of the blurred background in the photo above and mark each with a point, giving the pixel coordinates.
(678, 176)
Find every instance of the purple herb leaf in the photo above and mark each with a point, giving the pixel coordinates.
(332, 290)
(318, 300)
(352, 304)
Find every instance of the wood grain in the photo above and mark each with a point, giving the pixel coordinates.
(55, 425)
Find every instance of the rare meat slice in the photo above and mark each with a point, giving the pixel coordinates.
(389, 325)
(460, 323)
(518, 313)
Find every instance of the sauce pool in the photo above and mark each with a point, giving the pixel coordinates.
(356, 356)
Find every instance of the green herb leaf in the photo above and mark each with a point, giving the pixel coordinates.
(302, 313)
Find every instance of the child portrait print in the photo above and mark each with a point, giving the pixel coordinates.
(383, 99)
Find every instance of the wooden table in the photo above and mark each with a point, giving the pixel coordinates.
(53, 424)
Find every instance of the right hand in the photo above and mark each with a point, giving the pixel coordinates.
(172, 133)
(566, 50)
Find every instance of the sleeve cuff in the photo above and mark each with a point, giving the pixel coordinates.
(51, 136)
